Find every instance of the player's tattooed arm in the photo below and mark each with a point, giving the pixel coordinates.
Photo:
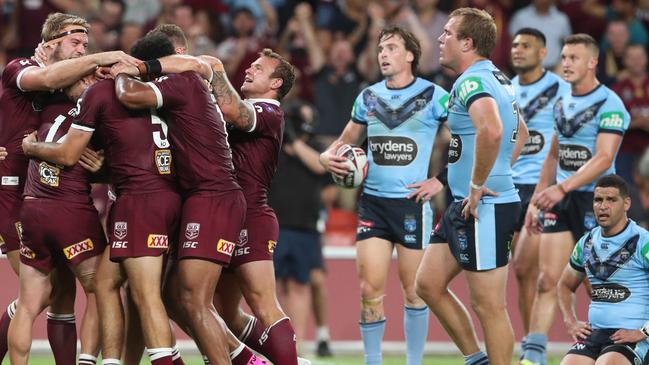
(66, 153)
(235, 111)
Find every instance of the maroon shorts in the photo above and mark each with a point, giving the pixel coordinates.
(143, 224)
(10, 228)
(210, 226)
(257, 240)
(55, 231)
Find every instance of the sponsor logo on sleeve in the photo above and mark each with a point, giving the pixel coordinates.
(392, 151)
(470, 86)
(157, 241)
(225, 247)
(163, 161)
(576, 255)
(443, 102)
(27, 252)
(612, 120)
(78, 248)
(572, 157)
(49, 174)
(645, 251)
(271, 246)
(120, 229)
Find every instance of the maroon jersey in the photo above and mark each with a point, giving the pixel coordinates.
(135, 142)
(636, 101)
(48, 180)
(204, 160)
(255, 153)
(18, 116)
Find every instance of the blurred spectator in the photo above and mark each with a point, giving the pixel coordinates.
(624, 10)
(107, 25)
(611, 59)
(543, 14)
(642, 12)
(342, 19)
(641, 179)
(264, 11)
(164, 16)
(580, 20)
(433, 21)
(196, 31)
(242, 46)
(141, 11)
(131, 32)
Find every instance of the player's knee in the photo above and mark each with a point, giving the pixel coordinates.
(370, 290)
(88, 282)
(485, 306)
(547, 283)
(521, 269)
(427, 290)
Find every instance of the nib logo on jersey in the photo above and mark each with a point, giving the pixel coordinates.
(157, 241)
(192, 230)
(533, 144)
(572, 156)
(78, 248)
(49, 174)
(393, 151)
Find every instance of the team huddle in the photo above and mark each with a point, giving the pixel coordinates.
(190, 233)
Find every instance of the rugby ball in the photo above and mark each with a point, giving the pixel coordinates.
(357, 162)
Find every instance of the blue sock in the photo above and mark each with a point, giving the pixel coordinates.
(479, 358)
(372, 334)
(415, 328)
(535, 348)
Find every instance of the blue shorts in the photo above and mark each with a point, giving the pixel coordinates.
(525, 192)
(599, 342)
(482, 245)
(401, 221)
(573, 213)
(296, 254)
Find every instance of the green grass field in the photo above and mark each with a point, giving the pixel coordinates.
(338, 360)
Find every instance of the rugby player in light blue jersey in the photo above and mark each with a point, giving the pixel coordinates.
(400, 116)
(590, 121)
(537, 89)
(615, 258)
(476, 231)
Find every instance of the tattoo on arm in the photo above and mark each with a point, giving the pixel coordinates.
(236, 112)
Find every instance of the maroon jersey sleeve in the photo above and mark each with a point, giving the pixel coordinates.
(13, 72)
(89, 108)
(169, 89)
(268, 117)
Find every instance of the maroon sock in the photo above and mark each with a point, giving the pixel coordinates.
(246, 357)
(251, 334)
(165, 360)
(4, 328)
(277, 343)
(62, 334)
(175, 356)
(160, 356)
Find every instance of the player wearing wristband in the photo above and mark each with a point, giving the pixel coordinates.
(615, 259)
(400, 116)
(475, 233)
(590, 121)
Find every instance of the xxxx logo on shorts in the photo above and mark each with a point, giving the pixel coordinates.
(78, 248)
(120, 230)
(157, 241)
(192, 230)
(271, 246)
(27, 252)
(225, 247)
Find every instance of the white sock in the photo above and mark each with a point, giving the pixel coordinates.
(237, 351)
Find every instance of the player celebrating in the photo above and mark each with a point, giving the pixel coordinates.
(66, 41)
(536, 92)
(139, 157)
(476, 230)
(614, 258)
(589, 124)
(400, 117)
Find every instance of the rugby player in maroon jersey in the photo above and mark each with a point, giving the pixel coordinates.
(66, 40)
(147, 209)
(60, 226)
(214, 208)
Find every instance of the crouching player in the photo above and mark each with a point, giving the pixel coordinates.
(615, 257)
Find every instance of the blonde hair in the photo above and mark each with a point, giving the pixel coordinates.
(581, 38)
(55, 23)
(479, 26)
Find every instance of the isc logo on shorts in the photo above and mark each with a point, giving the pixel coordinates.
(49, 174)
(157, 241)
(78, 248)
(225, 247)
(271, 246)
(163, 161)
(27, 252)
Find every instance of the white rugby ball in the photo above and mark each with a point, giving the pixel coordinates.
(357, 162)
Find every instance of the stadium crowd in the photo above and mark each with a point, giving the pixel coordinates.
(333, 46)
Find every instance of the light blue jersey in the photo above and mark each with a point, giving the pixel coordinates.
(536, 103)
(401, 128)
(618, 269)
(578, 121)
(482, 79)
